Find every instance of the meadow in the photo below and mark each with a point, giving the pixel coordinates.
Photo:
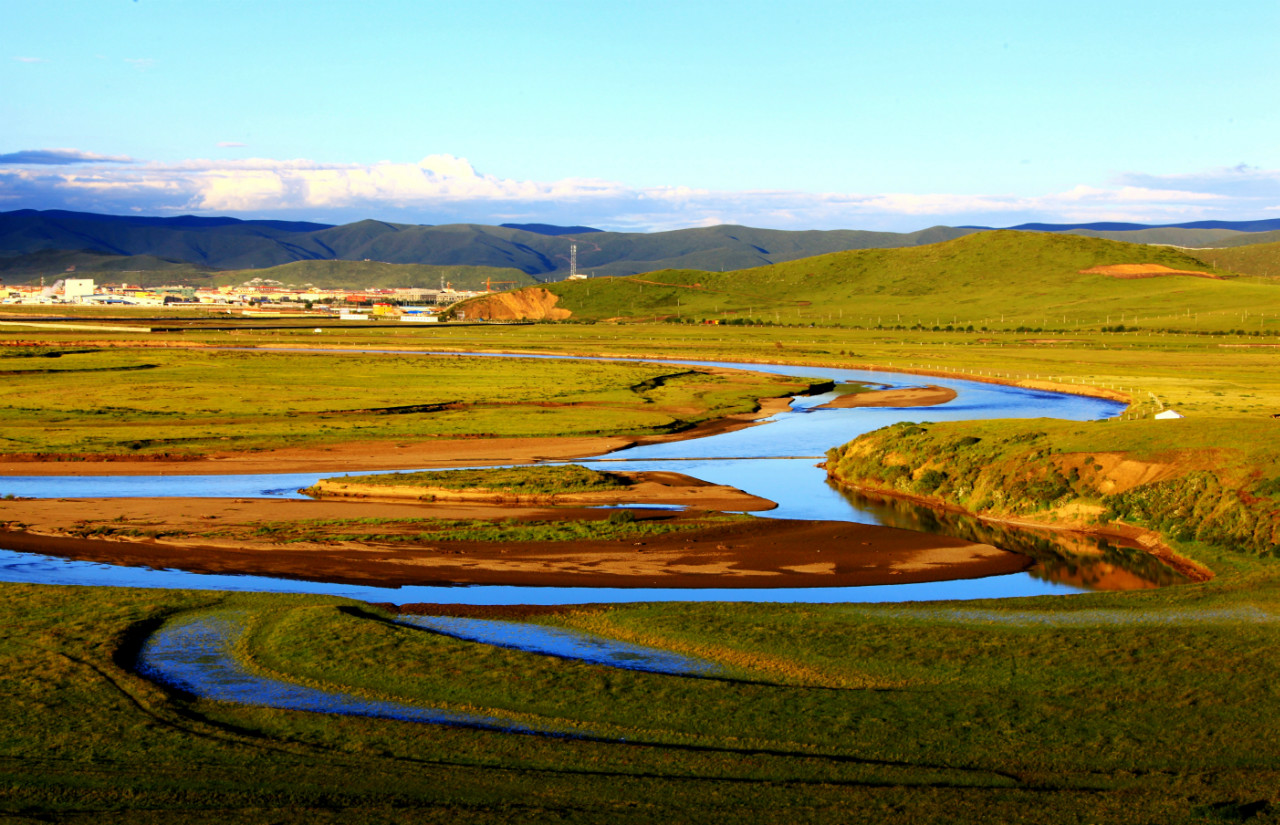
(80, 401)
(1144, 706)
(987, 281)
(568, 478)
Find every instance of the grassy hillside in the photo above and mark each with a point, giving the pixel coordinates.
(1170, 235)
(1213, 480)
(52, 264)
(1001, 279)
(1184, 237)
(232, 244)
(1262, 259)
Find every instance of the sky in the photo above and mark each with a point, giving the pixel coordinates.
(644, 115)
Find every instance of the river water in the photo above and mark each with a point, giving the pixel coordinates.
(776, 460)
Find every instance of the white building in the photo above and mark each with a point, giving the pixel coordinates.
(77, 289)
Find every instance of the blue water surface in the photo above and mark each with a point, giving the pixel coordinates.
(777, 460)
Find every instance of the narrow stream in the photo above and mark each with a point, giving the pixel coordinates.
(195, 657)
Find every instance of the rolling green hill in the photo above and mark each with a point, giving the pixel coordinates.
(1190, 238)
(229, 244)
(999, 279)
(1262, 259)
(30, 243)
(52, 264)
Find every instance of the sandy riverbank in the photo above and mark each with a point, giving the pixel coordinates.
(217, 536)
(929, 396)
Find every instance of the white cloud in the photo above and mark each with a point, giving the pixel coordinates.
(142, 64)
(442, 188)
(230, 144)
(1239, 181)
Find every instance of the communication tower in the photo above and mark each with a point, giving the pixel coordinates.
(573, 261)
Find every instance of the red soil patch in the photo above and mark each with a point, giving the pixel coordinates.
(1144, 271)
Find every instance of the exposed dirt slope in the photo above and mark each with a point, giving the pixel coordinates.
(1144, 271)
(529, 304)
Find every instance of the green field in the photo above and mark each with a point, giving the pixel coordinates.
(1256, 259)
(566, 478)
(1145, 706)
(991, 280)
(94, 401)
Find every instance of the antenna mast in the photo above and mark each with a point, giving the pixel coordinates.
(573, 260)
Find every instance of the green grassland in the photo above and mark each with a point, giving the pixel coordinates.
(1256, 259)
(566, 478)
(120, 401)
(1142, 707)
(1224, 491)
(1146, 706)
(618, 525)
(990, 280)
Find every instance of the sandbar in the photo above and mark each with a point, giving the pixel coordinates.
(929, 396)
(747, 552)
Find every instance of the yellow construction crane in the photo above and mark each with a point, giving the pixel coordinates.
(489, 282)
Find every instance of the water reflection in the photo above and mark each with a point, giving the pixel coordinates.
(1075, 559)
(777, 461)
(564, 643)
(195, 657)
(33, 568)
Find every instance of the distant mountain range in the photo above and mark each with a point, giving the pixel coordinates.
(1193, 234)
(1112, 226)
(1036, 279)
(30, 239)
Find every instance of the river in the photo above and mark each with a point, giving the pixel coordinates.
(776, 460)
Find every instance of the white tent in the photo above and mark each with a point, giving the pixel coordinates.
(1170, 414)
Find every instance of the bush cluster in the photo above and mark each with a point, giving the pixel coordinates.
(1197, 506)
(1011, 475)
(1021, 474)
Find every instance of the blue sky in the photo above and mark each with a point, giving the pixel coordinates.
(644, 115)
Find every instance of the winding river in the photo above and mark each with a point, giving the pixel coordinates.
(777, 460)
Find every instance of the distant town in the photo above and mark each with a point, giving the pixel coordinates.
(256, 297)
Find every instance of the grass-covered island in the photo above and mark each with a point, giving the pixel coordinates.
(1210, 481)
(540, 484)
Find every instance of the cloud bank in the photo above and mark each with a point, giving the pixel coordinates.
(447, 189)
(59, 157)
